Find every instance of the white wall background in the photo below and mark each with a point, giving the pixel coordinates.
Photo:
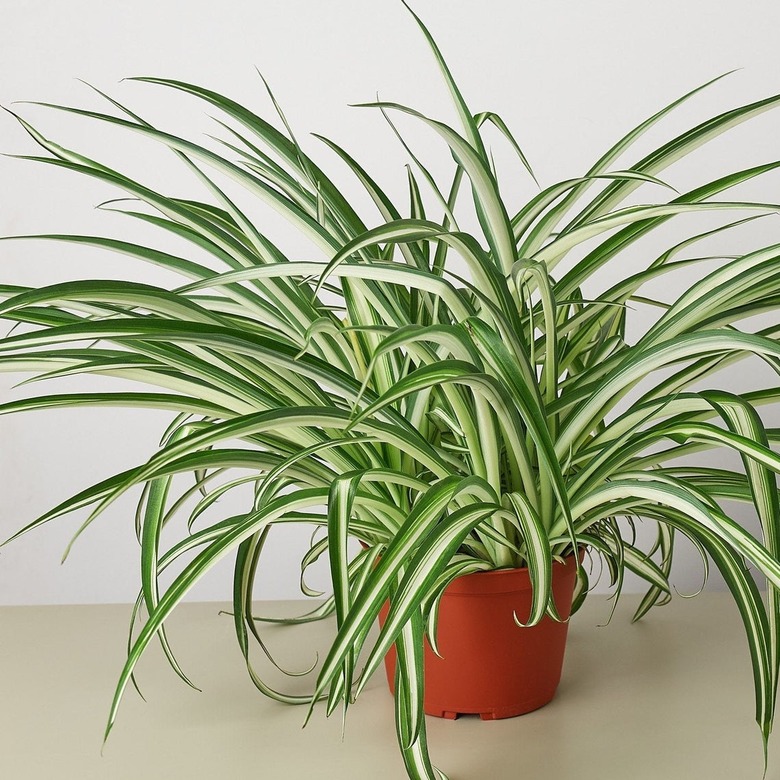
(569, 78)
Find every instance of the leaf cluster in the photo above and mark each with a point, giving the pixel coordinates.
(452, 420)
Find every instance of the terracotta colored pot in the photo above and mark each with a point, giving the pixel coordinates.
(491, 667)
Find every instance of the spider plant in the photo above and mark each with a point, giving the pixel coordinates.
(452, 399)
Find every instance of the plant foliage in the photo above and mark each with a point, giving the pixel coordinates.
(452, 420)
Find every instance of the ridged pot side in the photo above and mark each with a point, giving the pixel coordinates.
(490, 666)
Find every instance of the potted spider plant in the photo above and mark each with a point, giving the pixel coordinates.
(452, 399)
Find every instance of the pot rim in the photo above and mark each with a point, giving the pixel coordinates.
(504, 580)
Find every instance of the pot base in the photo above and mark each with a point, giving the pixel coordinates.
(495, 713)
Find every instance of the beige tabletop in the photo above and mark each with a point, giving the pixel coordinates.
(670, 697)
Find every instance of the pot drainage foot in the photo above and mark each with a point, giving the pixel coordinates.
(452, 715)
(446, 714)
(496, 715)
